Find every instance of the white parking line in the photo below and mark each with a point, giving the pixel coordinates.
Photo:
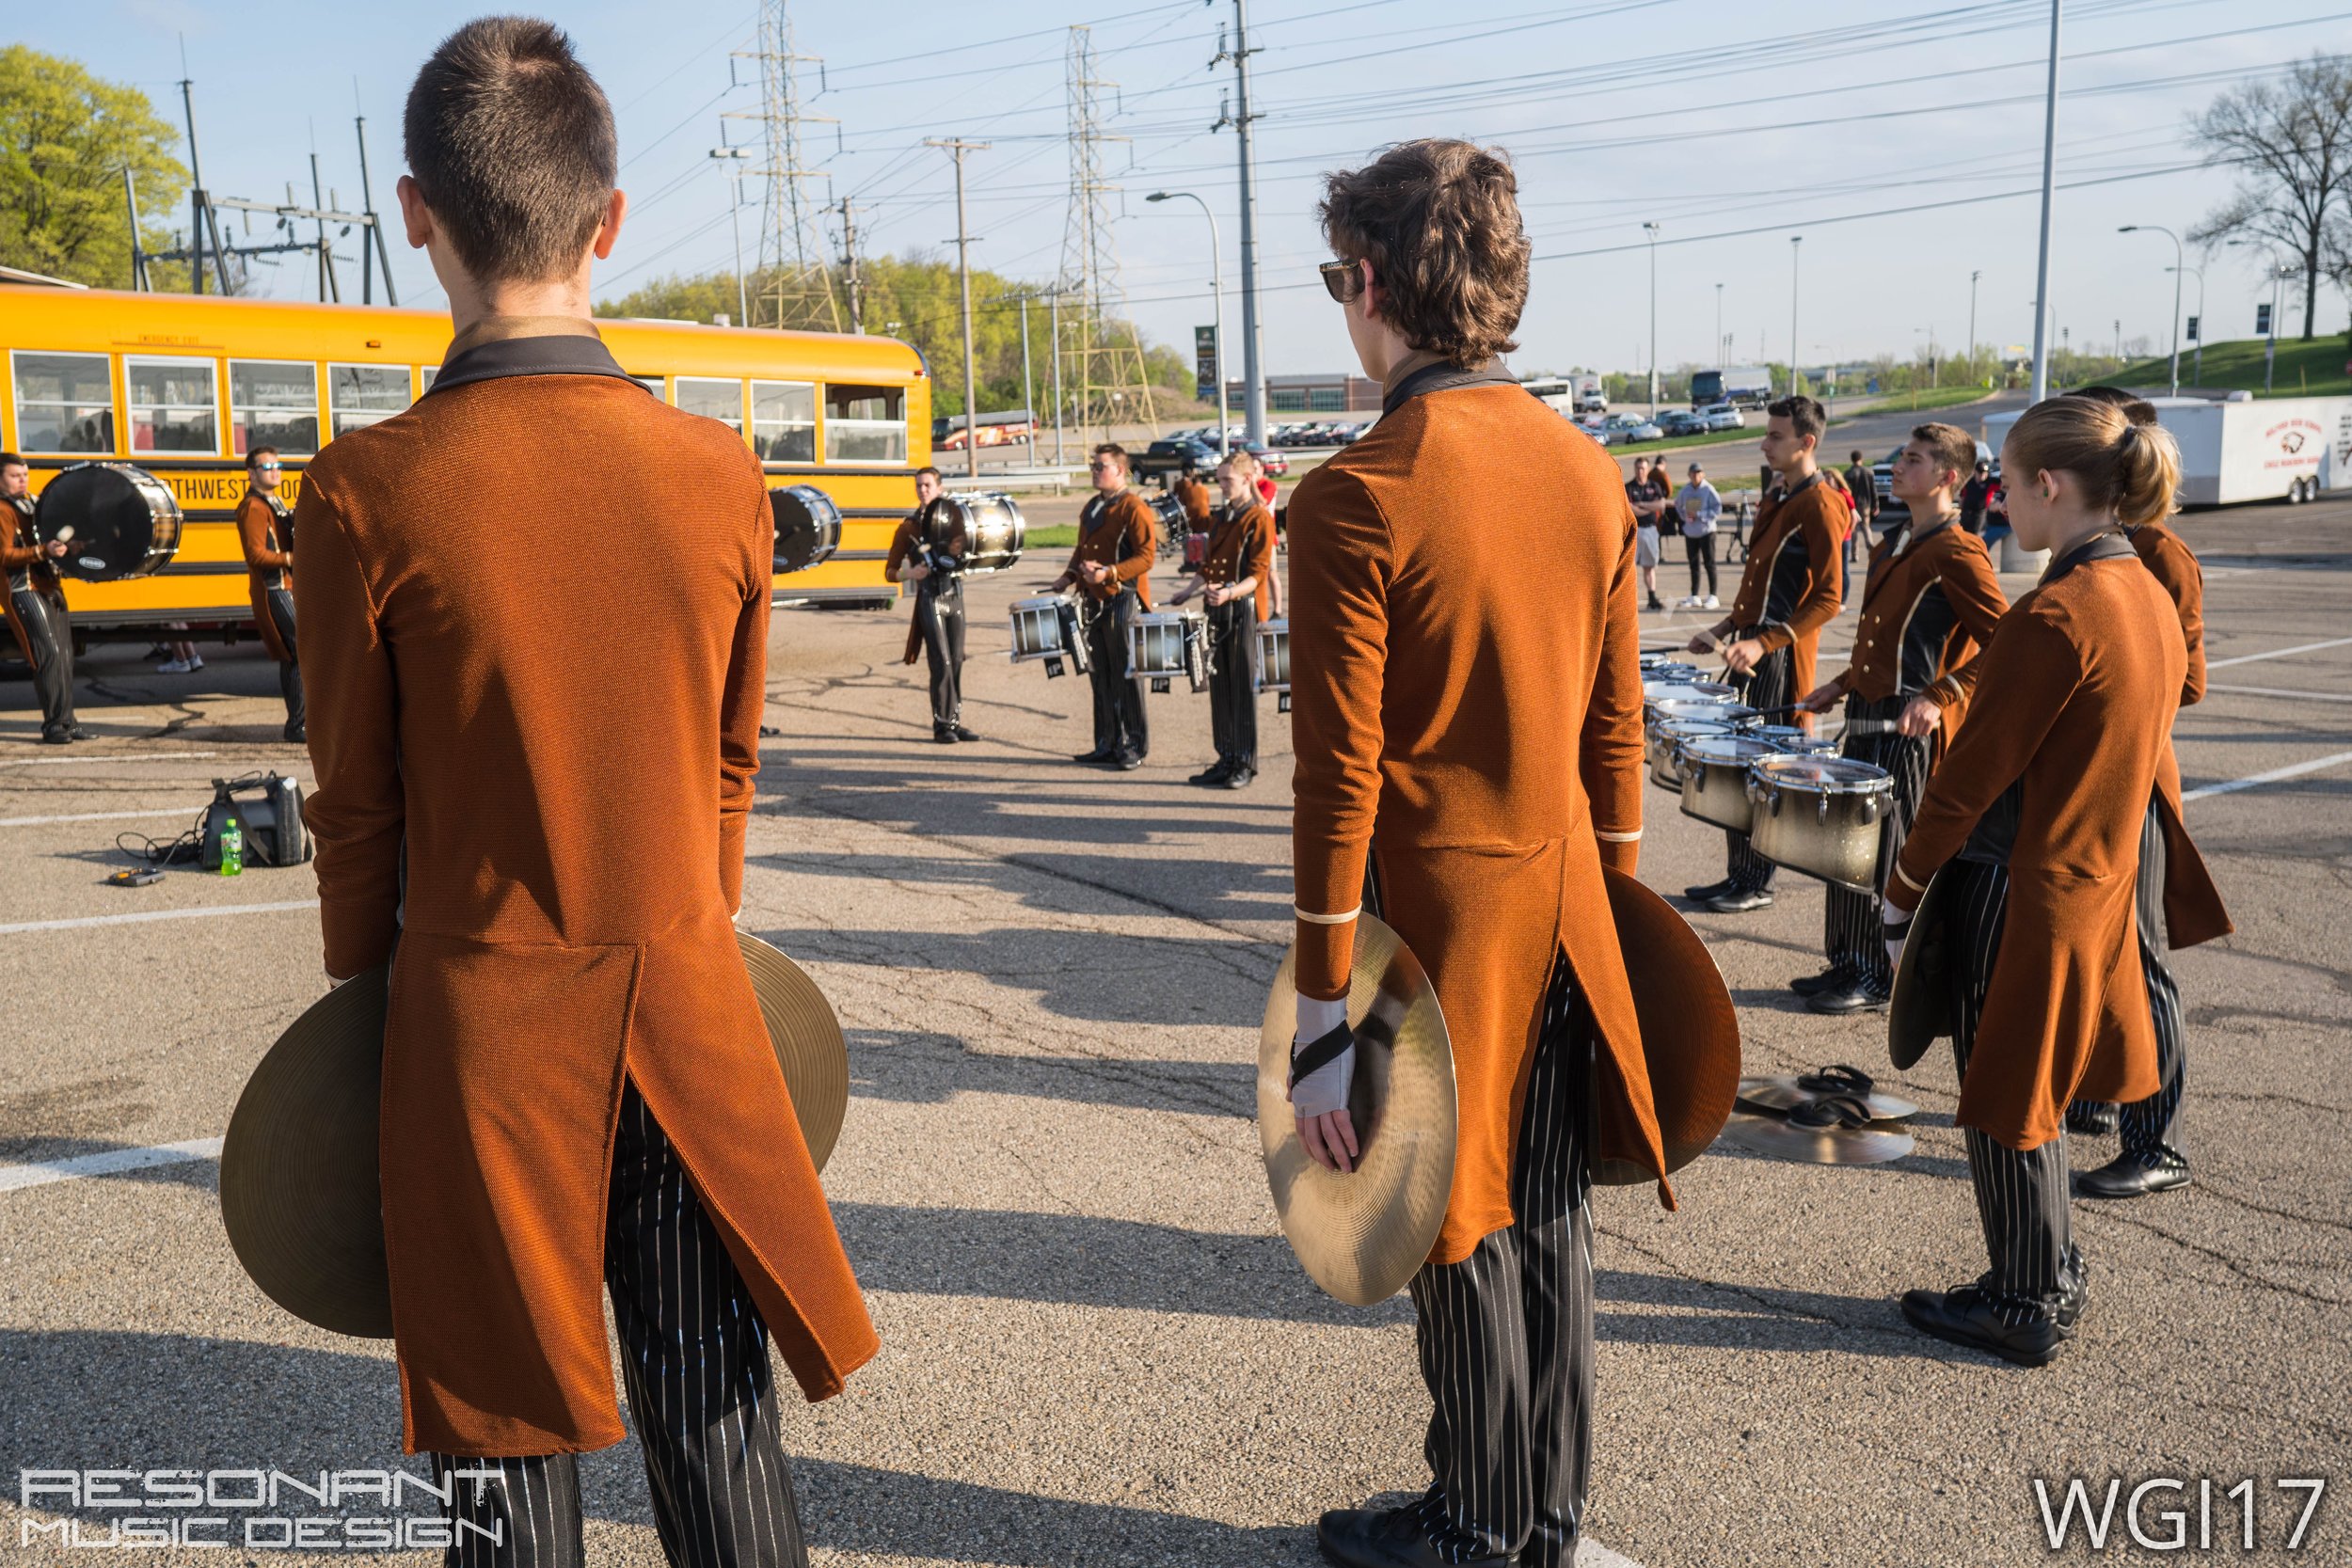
(2280, 653)
(95, 817)
(145, 915)
(112, 1163)
(2286, 691)
(2295, 770)
(86, 759)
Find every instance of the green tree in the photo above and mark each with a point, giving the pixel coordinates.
(65, 139)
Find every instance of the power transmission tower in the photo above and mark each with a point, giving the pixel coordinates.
(797, 285)
(1108, 373)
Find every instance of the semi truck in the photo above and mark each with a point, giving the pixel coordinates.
(2247, 449)
(1742, 386)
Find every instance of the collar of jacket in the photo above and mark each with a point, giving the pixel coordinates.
(500, 346)
(1438, 375)
(2105, 546)
(1910, 540)
(1787, 494)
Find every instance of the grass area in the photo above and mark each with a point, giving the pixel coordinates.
(1671, 443)
(2315, 369)
(1062, 538)
(1925, 397)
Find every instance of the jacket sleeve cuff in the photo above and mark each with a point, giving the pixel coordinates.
(1776, 638)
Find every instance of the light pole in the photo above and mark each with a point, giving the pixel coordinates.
(1217, 288)
(734, 211)
(2276, 270)
(1651, 229)
(1971, 323)
(2180, 260)
(2197, 366)
(1028, 388)
(1795, 242)
(1719, 326)
(2049, 175)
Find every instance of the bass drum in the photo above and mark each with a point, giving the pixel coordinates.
(808, 526)
(992, 525)
(117, 521)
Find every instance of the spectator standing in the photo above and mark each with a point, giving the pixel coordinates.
(1645, 499)
(1972, 496)
(1699, 507)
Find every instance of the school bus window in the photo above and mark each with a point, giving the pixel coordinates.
(64, 403)
(174, 405)
(712, 399)
(424, 378)
(273, 404)
(784, 420)
(361, 395)
(865, 424)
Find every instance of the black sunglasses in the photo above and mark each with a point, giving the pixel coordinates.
(1342, 280)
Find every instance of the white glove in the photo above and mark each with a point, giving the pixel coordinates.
(1324, 1089)
(1894, 928)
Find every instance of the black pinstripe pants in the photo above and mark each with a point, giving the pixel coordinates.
(2023, 1199)
(1506, 1335)
(2150, 1126)
(1851, 926)
(1766, 686)
(695, 1356)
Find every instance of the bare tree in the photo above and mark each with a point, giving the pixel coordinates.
(2292, 143)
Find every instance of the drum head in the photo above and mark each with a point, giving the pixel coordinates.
(808, 526)
(1834, 775)
(1729, 750)
(1666, 685)
(1713, 710)
(115, 521)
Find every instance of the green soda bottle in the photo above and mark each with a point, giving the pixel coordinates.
(231, 848)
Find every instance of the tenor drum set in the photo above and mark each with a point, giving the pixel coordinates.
(1802, 806)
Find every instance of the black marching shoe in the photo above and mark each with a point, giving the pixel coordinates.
(2160, 1170)
(296, 735)
(1968, 1317)
(1712, 890)
(2089, 1118)
(943, 736)
(1835, 978)
(963, 734)
(1213, 775)
(1100, 753)
(1127, 762)
(1740, 900)
(1241, 778)
(1845, 999)
(1384, 1538)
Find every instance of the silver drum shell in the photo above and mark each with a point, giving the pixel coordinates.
(1662, 743)
(1830, 834)
(1715, 788)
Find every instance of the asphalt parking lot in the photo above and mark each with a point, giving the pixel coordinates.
(1097, 1348)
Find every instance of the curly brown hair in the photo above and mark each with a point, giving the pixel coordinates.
(1439, 222)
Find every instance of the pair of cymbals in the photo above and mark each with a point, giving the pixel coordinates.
(1831, 1118)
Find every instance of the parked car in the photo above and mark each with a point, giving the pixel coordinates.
(1682, 421)
(1882, 478)
(1273, 462)
(1723, 416)
(1597, 428)
(1181, 456)
(1632, 427)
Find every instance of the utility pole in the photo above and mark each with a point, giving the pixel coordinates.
(1651, 229)
(1796, 242)
(329, 287)
(195, 187)
(375, 234)
(958, 147)
(1719, 322)
(1052, 333)
(138, 256)
(1028, 394)
(1971, 323)
(1240, 117)
(2042, 265)
(735, 220)
(855, 280)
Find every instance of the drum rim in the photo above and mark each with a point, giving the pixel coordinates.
(1765, 749)
(1878, 781)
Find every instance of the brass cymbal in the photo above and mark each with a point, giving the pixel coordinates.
(1785, 1094)
(808, 1042)
(1362, 1236)
(1823, 1145)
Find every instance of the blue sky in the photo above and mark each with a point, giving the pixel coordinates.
(1731, 123)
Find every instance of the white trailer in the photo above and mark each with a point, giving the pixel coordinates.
(2246, 449)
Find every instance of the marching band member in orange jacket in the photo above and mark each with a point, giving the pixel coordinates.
(1236, 579)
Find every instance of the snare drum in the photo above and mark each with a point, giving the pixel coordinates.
(1792, 737)
(1274, 656)
(115, 521)
(1048, 629)
(1714, 773)
(1162, 645)
(1664, 741)
(1820, 815)
(1720, 709)
(992, 525)
(1658, 686)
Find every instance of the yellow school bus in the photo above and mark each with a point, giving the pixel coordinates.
(182, 386)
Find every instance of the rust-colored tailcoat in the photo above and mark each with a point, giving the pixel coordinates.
(1243, 546)
(265, 555)
(1467, 708)
(2074, 704)
(1813, 522)
(572, 828)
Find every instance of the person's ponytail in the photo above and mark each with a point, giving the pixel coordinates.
(2146, 474)
(2132, 470)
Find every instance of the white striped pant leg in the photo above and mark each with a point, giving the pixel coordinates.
(526, 1516)
(1850, 920)
(2023, 1199)
(1765, 687)
(2150, 1126)
(1553, 1228)
(695, 1356)
(1506, 1338)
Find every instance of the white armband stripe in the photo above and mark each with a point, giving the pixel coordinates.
(1340, 919)
(1913, 886)
(1617, 838)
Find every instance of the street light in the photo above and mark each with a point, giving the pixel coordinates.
(1651, 229)
(1719, 326)
(2180, 260)
(1971, 323)
(2197, 369)
(735, 208)
(2278, 271)
(1794, 241)
(1217, 282)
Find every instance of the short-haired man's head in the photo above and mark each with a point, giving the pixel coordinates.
(1856, 458)
(11, 460)
(1950, 447)
(1242, 461)
(2136, 408)
(1112, 453)
(511, 144)
(1804, 416)
(253, 457)
(1439, 222)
